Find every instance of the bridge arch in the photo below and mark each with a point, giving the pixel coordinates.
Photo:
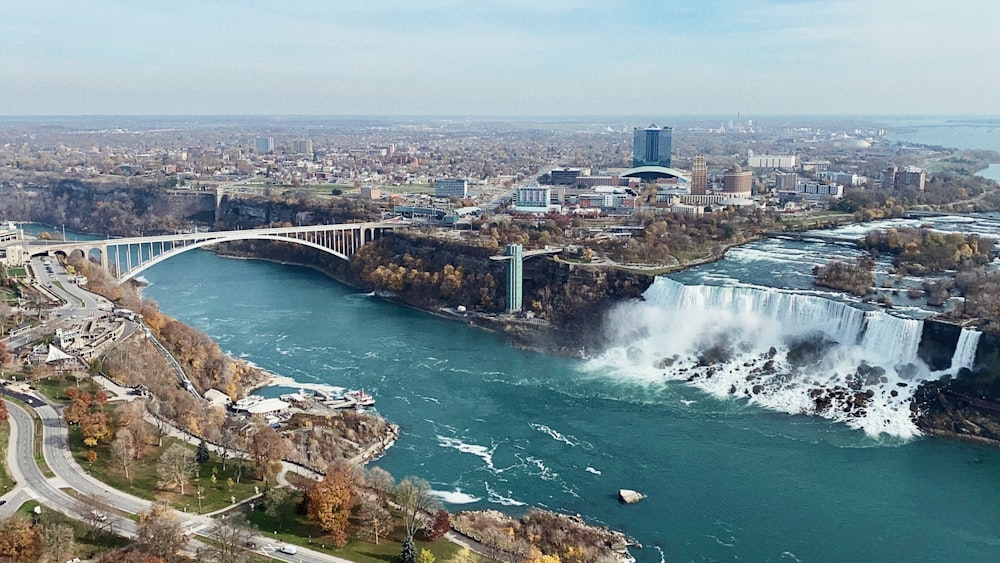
(207, 242)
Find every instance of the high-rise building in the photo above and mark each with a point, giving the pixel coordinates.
(302, 146)
(786, 182)
(910, 177)
(699, 176)
(651, 146)
(264, 145)
(447, 187)
(738, 182)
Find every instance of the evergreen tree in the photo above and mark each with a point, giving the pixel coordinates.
(202, 456)
(409, 554)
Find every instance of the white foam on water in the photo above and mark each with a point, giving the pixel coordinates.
(486, 454)
(497, 498)
(590, 469)
(455, 497)
(552, 434)
(665, 337)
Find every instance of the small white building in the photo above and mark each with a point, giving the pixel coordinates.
(217, 398)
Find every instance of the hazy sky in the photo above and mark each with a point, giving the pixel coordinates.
(500, 57)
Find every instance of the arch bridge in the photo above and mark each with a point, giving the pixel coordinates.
(125, 258)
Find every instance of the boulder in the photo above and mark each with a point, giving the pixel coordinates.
(629, 496)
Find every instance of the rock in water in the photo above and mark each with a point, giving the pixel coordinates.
(629, 496)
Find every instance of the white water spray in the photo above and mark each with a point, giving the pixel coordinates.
(785, 351)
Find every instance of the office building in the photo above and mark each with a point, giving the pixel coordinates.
(699, 176)
(910, 177)
(264, 145)
(738, 182)
(651, 146)
(532, 198)
(447, 187)
(567, 176)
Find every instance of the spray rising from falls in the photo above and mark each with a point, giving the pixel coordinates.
(790, 352)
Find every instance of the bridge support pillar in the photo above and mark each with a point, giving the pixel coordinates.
(514, 277)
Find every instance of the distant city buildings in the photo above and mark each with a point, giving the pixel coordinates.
(771, 161)
(532, 198)
(264, 145)
(786, 181)
(302, 146)
(699, 176)
(447, 187)
(819, 190)
(910, 177)
(651, 146)
(737, 182)
(567, 176)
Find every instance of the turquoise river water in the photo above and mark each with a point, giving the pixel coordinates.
(728, 477)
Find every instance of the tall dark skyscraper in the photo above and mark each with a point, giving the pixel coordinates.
(651, 146)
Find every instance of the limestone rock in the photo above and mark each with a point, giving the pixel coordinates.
(629, 496)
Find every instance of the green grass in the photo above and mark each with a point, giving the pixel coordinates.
(54, 387)
(5, 479)
(17, 272)
(292, 528)
(145, 482)
(87, 546)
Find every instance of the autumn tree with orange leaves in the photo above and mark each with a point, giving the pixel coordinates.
(329, 503)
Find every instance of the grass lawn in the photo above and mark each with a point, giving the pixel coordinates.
(54, 387)
(146, 483)
(87, 546)
(17, 272)
(296, 529)
(5, 479)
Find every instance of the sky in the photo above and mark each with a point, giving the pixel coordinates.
(500, 57)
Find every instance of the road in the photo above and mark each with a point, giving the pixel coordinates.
(32, 484)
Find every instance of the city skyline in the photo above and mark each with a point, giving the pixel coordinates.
(511, 57)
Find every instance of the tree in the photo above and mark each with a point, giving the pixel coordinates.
(94, 510)
(440, 526)
(160, 424)
(266, 447)
(463, 555)
(3, 411)
(19, 540)
(329, 503)
(380, 480)
(274, 503)
(375, 520)
(4, 354)
(176, 466)
(426, 556)
(201, 455)
(57, 540)
(409, 553)
(231, 536)
(123, 452)
(159, 531)
(413, 495)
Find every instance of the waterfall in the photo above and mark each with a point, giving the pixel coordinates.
(782, 350)
(965, 350)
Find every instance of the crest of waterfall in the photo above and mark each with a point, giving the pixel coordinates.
(965, 350)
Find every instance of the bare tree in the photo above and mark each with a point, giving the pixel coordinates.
(177, 465)
(57, 541)
(159, 531)
(231, 536)
(123, 451)
(160, 425)
(413, 495)
(381, 481)
(95, 510)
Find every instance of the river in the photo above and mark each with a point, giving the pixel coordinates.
(728, 477)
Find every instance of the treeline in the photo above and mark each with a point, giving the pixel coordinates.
(857, 278)
(920, 251)
(944, 191)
